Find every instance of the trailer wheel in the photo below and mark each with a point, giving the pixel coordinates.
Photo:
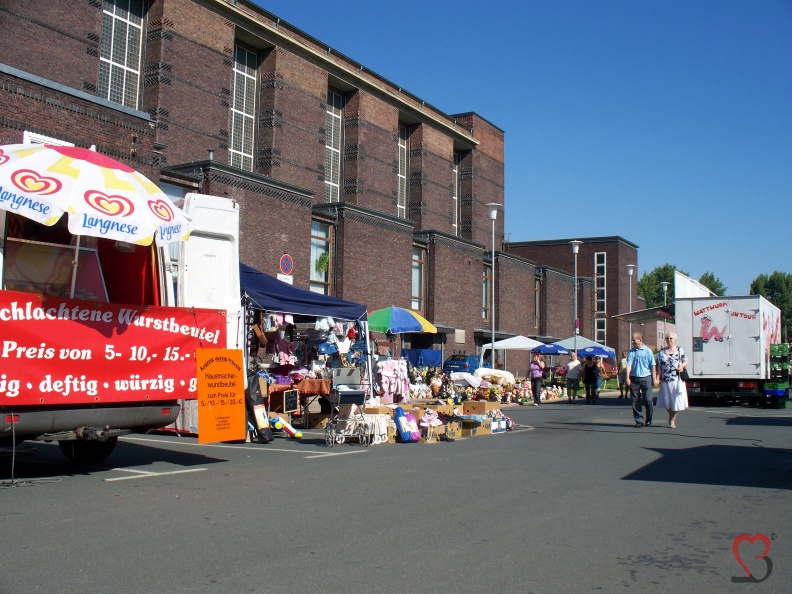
(88, 452)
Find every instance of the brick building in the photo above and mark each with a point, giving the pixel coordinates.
(605, 284)
(379, 197)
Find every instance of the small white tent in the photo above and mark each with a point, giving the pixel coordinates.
(517, 343)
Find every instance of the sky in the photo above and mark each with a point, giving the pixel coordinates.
(666, 122)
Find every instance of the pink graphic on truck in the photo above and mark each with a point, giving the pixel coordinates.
(708, 331)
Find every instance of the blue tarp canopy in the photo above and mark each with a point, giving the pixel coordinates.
(423, 357)
(269, 294)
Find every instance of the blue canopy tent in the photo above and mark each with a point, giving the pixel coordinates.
(264, 292)
(268, 293)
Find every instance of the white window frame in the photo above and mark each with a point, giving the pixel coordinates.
(243, 109)
(486, 292)
(320, 244)
(404, 162)
(35, 138)
(455, 183)
(600, 283)
(418, 289)
(601, 330)
(334, 130)
(117, 20)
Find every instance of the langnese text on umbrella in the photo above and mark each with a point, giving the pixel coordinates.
(106, 226)
(168, 232)
(21, 201)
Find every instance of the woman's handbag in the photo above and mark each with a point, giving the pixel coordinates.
(683, 375)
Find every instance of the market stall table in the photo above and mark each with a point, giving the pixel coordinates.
(310, 390)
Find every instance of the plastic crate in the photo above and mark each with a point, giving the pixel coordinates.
(774, 392)
(778, 402)
(776, 385)
(779, 350)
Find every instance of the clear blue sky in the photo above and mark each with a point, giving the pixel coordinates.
(667, 122)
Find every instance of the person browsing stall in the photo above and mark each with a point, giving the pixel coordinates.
(622, 377)
(536, 373)
(641, 376)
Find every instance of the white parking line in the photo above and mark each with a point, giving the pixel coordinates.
(144, 474)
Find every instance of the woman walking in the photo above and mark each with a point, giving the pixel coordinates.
(672, 396)
(536, 372)
(592, 374)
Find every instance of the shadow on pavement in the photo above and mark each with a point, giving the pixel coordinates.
(35, 460)
(760, 421)
(733, 466)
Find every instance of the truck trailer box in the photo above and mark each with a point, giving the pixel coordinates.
(727, 337)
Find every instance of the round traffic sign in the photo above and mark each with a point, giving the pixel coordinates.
(286, 264)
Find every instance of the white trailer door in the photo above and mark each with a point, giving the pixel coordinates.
(710, 328)
(745, 337)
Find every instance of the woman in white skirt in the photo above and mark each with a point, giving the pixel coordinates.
(673, 393)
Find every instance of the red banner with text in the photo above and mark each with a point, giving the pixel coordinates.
(56, 351)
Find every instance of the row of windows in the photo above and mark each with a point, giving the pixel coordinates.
(119, 81)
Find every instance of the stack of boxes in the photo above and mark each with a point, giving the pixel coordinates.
(776, 390)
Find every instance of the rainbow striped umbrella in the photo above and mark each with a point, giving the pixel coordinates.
(397, 320)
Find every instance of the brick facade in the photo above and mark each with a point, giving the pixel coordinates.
(185, 109)
(618, 252)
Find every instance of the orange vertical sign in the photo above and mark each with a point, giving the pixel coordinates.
(221, 395)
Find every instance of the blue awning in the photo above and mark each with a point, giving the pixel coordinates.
(269, 294)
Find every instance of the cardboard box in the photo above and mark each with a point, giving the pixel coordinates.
(445, 409)
(474, 428)
(479, 407)
(391, 434)
(316, 420)
(378, 410)
(453, 429)
(430, 434)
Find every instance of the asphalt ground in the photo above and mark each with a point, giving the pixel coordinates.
(574, 499)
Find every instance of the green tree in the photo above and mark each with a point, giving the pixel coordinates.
(651, 290)
(713, 283)
(777, 289)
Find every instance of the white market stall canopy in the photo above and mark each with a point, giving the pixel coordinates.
(519, 343)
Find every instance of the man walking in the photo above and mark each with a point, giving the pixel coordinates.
(640, 368)
(573, 370)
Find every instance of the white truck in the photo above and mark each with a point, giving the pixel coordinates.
(120, 356)
(727, 343)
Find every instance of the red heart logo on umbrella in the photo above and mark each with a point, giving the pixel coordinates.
(114, 206)
(3, 157)
(161, 209)
(30, 181)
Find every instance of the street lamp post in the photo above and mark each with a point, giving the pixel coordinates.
(630, 268)
(575, 247)
(493, 214)
(665, 284)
